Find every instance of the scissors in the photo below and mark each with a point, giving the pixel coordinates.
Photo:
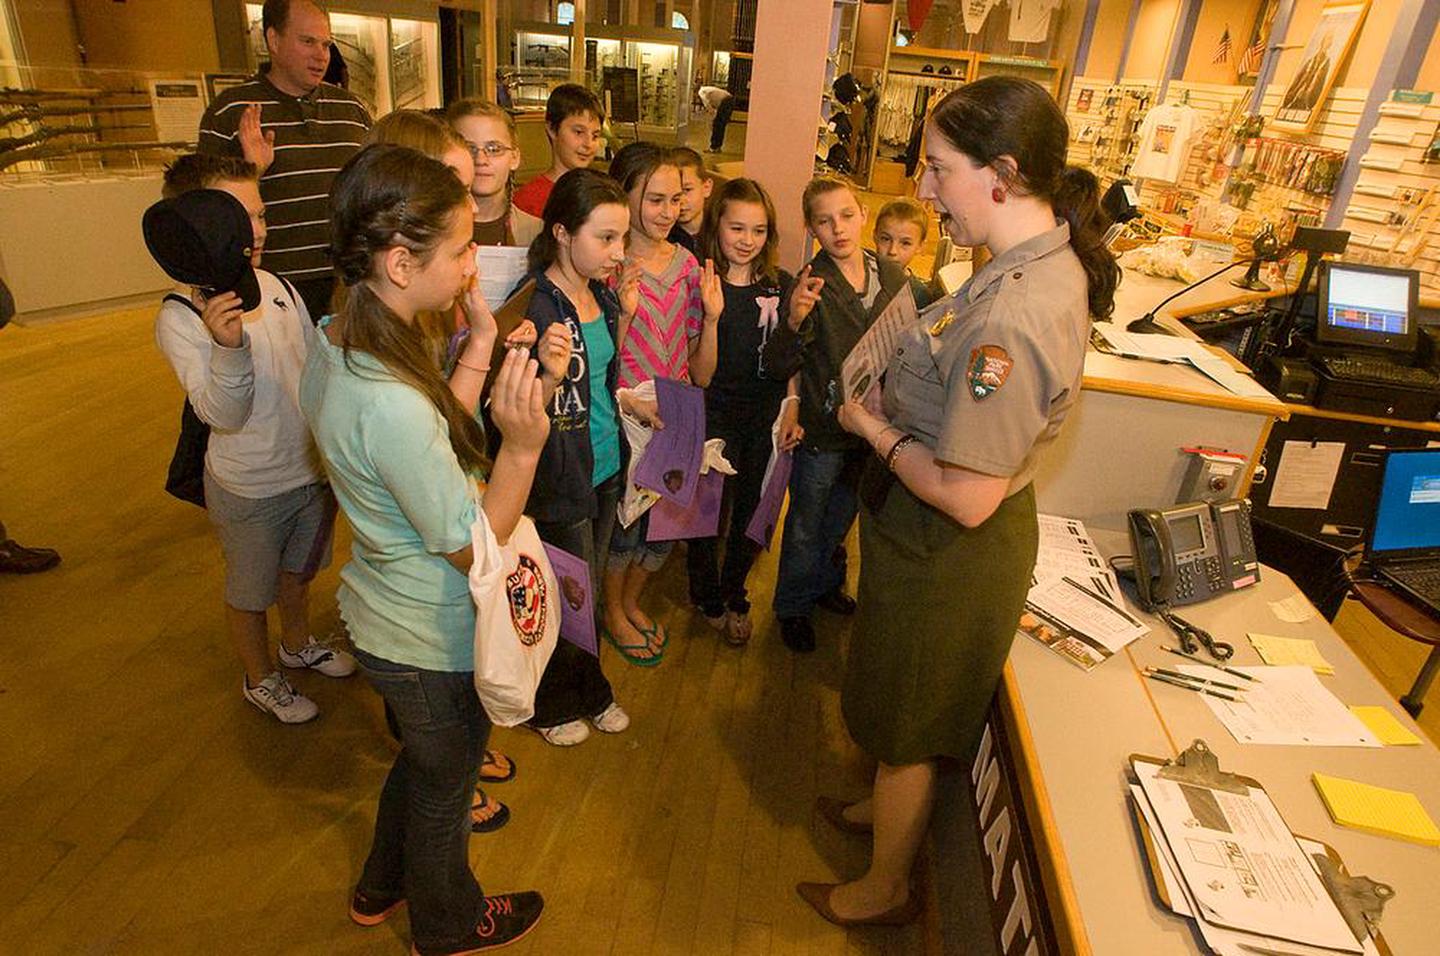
(1192, 637)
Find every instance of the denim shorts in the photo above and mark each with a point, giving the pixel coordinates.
(628, 546)
(261, 537)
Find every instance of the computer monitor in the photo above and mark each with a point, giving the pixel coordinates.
(1368, 307)
(1407, 514)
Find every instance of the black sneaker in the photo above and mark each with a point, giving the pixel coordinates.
(369, 909)
(507, 918)
(798, 634)
(837, 602)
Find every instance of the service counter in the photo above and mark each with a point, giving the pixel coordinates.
(1071, 733)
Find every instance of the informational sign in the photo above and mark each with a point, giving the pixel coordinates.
(621, 85)
(178, 106)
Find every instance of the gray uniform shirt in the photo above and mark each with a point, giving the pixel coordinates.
(988, 375)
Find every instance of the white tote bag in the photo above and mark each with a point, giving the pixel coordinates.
(517, 619)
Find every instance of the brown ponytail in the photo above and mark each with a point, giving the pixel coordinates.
(386, 196)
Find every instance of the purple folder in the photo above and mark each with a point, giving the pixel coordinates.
(767, 513)
(672, 459)
(577, 599)
(670, 522)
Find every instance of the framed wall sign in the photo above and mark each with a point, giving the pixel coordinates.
(1320, 63)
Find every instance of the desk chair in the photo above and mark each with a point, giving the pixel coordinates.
(1397, 612)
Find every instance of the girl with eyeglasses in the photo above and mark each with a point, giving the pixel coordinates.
(490, 132)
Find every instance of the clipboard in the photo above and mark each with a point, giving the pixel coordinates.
(1359, 899)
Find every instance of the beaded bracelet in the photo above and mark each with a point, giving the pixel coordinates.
(897, 448)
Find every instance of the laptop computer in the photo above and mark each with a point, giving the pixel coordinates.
(1403, 547)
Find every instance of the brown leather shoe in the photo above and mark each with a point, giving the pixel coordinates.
(16, 559)
(832, 810)
(818, 896)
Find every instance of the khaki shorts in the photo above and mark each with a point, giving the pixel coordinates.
(261, 537)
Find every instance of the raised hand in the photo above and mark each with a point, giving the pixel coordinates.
(478, 315)
(224, 315)
(628, 287)
(803, 297)
(256, 144)
(712, 293)
(516, 403)
(554, 351)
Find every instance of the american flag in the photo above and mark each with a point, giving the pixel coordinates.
(1222, 51)
(1250, 59)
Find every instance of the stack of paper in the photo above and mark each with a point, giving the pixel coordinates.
(1228, 861)
(1075, 606)
(500, 269)
(1281, 651)
(1176, 350)
(1287, 705)
(1393, 813)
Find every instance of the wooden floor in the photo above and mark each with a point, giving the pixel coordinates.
(146, 808)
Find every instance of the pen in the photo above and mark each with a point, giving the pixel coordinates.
(1192, 687)
(1193, 679)
(1103, 600)
(1229, 670)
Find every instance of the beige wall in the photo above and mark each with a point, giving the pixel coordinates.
(1109, 36)
(151, 36)
(1153, 29)
(1429, 78)
(1215, 16)
(48, 33)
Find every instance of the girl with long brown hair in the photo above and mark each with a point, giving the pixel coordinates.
(404, 449)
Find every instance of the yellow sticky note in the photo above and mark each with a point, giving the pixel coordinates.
(1279, 651)
(1393, 813)
(1385, 726)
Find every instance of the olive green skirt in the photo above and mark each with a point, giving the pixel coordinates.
(938, 607)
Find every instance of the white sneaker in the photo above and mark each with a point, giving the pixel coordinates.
(611, 720)
(565, 735)
(274, 695)
(319, 657)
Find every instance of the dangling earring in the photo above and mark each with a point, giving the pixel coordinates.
(997, 195)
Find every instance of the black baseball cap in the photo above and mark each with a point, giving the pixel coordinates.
(203, 238)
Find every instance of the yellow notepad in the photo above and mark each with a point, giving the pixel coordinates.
(1393, 813)
(1384, 725)
(1290, 650)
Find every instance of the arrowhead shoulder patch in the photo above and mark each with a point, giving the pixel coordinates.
(989, 368)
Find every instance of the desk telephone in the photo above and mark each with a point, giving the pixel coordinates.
(1192, 552)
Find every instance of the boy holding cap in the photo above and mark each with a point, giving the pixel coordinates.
(237, 339)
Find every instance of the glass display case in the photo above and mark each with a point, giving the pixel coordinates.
(663, 61)
(600, 53)
(541, 59)
(414, 64)
(720, 69)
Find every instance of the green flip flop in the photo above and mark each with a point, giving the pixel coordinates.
(629, 651)
(657, 631)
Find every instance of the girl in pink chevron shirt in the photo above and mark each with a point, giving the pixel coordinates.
(670, 336)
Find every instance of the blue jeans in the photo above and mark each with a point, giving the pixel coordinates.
(822, 508)
(422, 825)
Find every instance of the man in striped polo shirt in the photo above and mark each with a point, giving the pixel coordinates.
(299, 131)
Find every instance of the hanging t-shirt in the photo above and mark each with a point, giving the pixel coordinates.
(976, 12)
(1030, 20)
(1166, 135)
